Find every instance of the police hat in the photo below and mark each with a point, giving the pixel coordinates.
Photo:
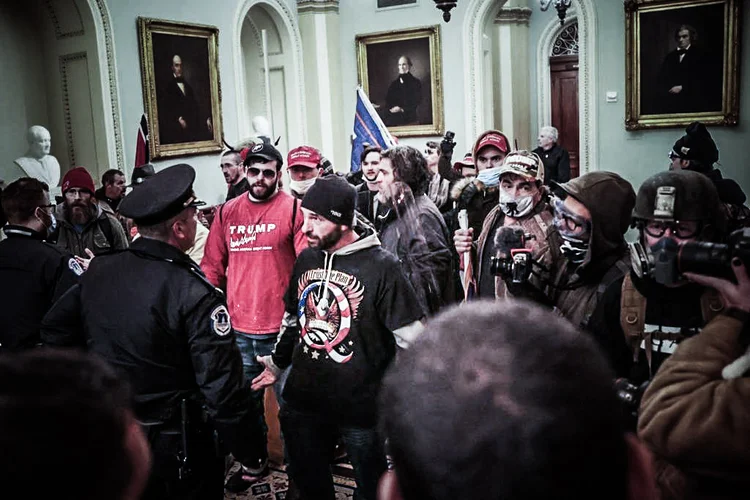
(166, 194)
(264, 150)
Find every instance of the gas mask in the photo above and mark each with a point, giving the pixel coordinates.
(301, 187)
(516, 207)
(574, 230)
(659, 262)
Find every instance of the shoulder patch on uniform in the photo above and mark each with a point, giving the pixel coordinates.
(220, 322)
(75, 267)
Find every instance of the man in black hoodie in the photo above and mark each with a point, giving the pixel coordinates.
(592, 214)
(697, 151)
(348, 306)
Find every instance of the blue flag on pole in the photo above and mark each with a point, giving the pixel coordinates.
(368, 128)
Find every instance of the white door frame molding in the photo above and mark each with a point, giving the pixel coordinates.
(297, 109)
(105, 47)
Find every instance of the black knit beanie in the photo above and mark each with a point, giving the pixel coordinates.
(697, 144)
(333, 198)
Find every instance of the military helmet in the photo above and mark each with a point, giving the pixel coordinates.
(679, 195)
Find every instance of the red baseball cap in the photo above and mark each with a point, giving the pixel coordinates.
(493, 139)
(304, 156)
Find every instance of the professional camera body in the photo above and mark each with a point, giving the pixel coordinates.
(513, 262)
(668, 260)
(630, 397)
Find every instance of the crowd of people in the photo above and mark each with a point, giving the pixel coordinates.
(472, 323)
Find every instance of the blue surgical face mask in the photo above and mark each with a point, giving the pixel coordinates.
(490, 177)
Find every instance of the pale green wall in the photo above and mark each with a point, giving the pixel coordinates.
(362, 17)
(637, 155)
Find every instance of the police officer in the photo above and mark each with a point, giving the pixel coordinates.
(34, 273)
(640, 321)
(151, 313)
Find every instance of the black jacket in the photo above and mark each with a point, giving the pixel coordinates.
(150, 312)
(34, 274)
(556, 164)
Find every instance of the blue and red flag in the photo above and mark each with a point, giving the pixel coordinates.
(368, 129)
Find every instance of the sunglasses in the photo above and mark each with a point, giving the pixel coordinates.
(255, 172)
(680, 229)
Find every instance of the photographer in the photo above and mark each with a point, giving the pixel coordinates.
(644, 315)
(694, 418)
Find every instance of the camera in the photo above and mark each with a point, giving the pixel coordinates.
(516, 268)
(671, 259)
(629, 397)
(513, 260)
(447, 144)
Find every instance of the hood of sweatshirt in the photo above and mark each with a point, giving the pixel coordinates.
(610, 200)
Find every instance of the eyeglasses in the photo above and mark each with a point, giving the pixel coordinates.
(255, 172)
(48, 208)
(568, 222)
(673, 156)
(681, 229)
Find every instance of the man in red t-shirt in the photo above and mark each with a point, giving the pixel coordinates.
(250, 252)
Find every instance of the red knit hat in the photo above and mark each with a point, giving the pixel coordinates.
(79, 178)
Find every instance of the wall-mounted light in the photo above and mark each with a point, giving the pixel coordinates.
(446, 6)
(562, 7)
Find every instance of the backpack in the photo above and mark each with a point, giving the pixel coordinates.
(633, 318)
(104, 224)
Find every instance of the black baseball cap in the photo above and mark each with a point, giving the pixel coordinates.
(264, 150)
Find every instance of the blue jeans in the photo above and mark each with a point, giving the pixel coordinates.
(310, 439)
(250, 347)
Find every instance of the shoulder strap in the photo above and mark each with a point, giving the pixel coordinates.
(105, 224)
(711, 304)
(294, 214)
(632, 316)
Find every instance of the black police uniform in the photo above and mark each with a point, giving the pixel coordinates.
(151, 313)
(34, 274)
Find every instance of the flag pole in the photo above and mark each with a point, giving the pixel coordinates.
(267, 81)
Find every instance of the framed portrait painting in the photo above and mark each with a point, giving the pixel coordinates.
(683, 62)
(181, 92)
(400, 71)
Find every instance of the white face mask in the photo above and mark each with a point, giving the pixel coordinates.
(516, 207)
(301, 187)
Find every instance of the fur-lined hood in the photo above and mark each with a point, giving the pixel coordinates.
(458, 188)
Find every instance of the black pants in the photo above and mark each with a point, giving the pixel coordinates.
(309, 440)
(206, 478)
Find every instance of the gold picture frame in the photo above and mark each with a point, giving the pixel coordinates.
(669, 88)
(407, 108)
(181, 87)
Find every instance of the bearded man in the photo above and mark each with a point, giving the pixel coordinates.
(85, 229)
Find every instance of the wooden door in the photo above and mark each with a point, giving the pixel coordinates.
(564, 78)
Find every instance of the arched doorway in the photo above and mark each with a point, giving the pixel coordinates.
(63, 78)
(475, 20)
(285, 94)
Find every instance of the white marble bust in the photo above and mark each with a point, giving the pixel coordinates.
(37, 162)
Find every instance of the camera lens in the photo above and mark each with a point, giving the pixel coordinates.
(704, 258)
